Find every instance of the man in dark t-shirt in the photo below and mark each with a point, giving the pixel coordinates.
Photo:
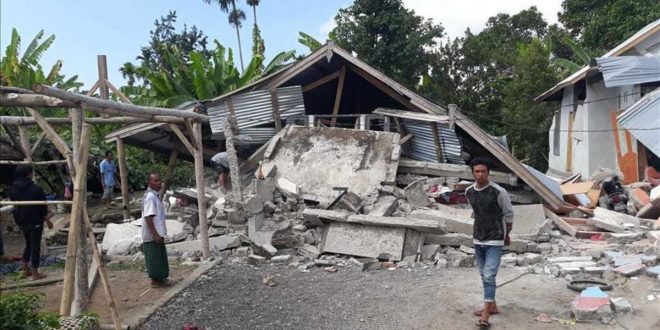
(493, 221)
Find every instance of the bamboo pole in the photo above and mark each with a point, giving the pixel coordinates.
(34, 163)
(102, 272)
(127, 109)
(17, 121)
(123, 174)
(26, 203)
(340, 88)
(13, 138)
(201, 194)
(34, 101)
(167, 180)
(76, 214)
(118, 92)
(25, 142)
(54, 137)
(183, 138)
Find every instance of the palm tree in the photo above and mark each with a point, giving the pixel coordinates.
(257, 41)
(236, 17)
(254, 4)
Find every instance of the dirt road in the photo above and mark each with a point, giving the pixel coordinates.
(232, 296)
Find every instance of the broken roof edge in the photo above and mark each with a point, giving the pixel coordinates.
(412, 115)
(631, 42)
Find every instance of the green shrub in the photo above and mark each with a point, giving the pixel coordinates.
(20, 311)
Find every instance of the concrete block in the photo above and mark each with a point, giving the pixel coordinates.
(623, 238)
(218, 243)
(518, 246)
(627, 259)
(363, 241)
(650, 260)
(630, 270)
(253, 205)
(596, 270)
(421, 225)
(465, 261)
(621, 306)
(416, 195)
(509, 260)
(429, 251)
(256, 260)
(269, 249)
(527, 219)
(121, 239)
(653, 271)
(265, 189)
(367, 264)
(350, 202)
(269, 208)
(235, 216)
(309, 251)
(451, 239)
(532, 258)
(319, 216)
(281, 259)
(591, 304)
(466, 249)
(243, 251)
(287, 188)
(555, 260)
(454, 223)
(385, 206)
(574, 267)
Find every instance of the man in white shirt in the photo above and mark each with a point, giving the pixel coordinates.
(154, 233)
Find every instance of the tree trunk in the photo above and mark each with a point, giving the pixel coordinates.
(240, 50)
(254, 11)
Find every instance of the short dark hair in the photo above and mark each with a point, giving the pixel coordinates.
(150, 174)
(108, 153)
(23, 171)
(481, 161)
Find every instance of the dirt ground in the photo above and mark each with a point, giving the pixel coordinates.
(232, 296)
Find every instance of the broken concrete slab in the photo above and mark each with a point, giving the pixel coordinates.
(269, 249)
(121, 239)
(318, 159)
(258, 236)
(454, 239)
(653, 271)
(256, 260)
(421, 225)
(627, 260)
(607, 224)
(624, 238)
(555, 260)
(366, 264)
(574, 267)
(287, 188)
(454, 223)
(218, 243)
(630, 270)
(235, 216)
(527, 219)
(281, 259)
(316, 216)
(621, 306)
(385, 206)
(414, 240)
(350, 202)
(309, 251)
(252, 205)
(363, 241)
(264, 189)
(416, 195)
(619, 218)
(429, 251)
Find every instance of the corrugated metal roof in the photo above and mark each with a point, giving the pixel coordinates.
(642, 120)
(629, 70)
(251, 135)
(631, 42)
(423, 146)
(255, 108)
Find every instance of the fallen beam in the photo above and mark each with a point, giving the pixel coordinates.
(37, 163)
(422, 225)
(98, 105)
(23, 203)
(19, 121)
(34, 101)
(452, 170)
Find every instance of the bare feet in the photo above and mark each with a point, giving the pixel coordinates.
(38, 276)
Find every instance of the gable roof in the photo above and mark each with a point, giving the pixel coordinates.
(651, 29)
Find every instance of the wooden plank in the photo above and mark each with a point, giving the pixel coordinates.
(33, 163)
(193, 141)
(59, 143)
(34, 101)
(340, 89)
(25, 142)
(386, 89)
(92, 275)
(405, 139)
(13, 138)
(436, 141)
(123, 174)
(201, 196)
(563, 225)
(117, 92)
(16, 121)
(98, 105)
(182, 138)
(276, 109)
(412, 115)
(321, 81)
(25, 203)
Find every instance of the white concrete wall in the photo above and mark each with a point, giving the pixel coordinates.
(558, 162)
(599, 140)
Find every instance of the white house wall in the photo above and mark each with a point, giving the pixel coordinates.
(558, 162)
(599, 137)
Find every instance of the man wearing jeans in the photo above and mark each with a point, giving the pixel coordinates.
(493, 221)
(108, 170)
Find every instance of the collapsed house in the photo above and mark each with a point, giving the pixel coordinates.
(610, 112)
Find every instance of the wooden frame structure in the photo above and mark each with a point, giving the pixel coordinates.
(76, 157)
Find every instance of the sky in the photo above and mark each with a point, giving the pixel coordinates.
(118, 28)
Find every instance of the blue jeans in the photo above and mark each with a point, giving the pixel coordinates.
(488, 260)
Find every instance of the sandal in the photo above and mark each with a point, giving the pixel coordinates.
(481, 311)
(482, 324)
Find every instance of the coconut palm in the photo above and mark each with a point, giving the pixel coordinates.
(236, 18)
(254, 4)
(257, 41)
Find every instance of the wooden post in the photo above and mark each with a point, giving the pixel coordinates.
(76, 213)
(436, 140)
(276, 109)
(234, 169)
(102, 64)
(340, 88)
(167, 179)
(25, 142)
(104, 276)
(81, 297)
(123, 174)
(201, 194)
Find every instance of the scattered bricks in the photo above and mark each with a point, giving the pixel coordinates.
(416, 195)
(574, 267)
(596, 270)
(627, 259)
(611, 254)
(315, 216)
(630, 269)
(624, 238)
(269, 208)
(649, 260)
(518, 246)
(591, 304)
(653, 271)
(281, 259)
(555, 260)
(532, 258)
(621, 306)
(429, 251)
(466, 249)
(350, 201)
(466, 261)
(366, 264)
(324, 263)
(385, 206)
(309, 251)
(256, 260)
(451, 239)
(509, 260)
(243, 251)
(269, 249)
(653, 236)
(235, 216)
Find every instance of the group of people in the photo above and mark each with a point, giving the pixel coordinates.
(491, 205)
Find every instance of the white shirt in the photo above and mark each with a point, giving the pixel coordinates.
(152, 205)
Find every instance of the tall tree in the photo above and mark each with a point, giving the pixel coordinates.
(236, 18)
(258, 46)
(601, 25)
(389, 37)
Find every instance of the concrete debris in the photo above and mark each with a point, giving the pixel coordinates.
(256, 260)
(281, 259)
(421, 225)
(287, 188)
(218, 243)
(364, 241)
(621, 306)
(384, 207)
(416, 195)
(592, 304)
(453, 223)
(350, 202)
(429, 251)
(630, 270)
(316, 216)
(309, 251)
